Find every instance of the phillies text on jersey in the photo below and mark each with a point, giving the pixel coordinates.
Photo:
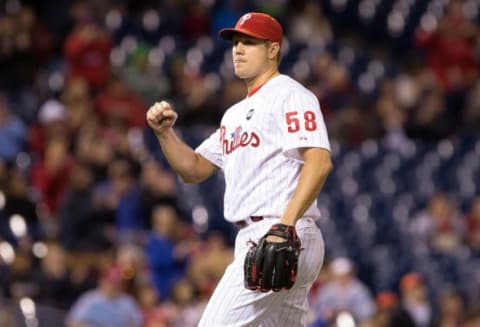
(257, 145)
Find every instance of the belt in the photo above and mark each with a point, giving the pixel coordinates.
(248, 221)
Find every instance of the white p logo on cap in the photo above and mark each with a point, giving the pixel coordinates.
(244, 19)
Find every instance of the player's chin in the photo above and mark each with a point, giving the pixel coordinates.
(240, 73)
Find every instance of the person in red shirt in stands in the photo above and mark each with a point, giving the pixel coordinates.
(87, 50)
(449, 49)
(50, 175)
(117, 104)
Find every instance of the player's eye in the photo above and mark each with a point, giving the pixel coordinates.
(246, 41)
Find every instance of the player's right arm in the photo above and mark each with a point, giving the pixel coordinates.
(189, 165)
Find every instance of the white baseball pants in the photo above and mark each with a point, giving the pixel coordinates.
(232, 305)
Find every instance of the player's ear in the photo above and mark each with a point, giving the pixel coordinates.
(273, 50)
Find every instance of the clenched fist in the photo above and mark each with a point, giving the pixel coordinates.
(161, 117)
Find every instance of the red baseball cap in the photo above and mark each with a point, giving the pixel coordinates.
(257, 25)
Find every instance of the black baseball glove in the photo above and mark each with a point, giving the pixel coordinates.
(273, 266)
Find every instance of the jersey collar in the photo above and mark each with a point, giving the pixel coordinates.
(255, 90)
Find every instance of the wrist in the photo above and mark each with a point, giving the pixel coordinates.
(164, 134)
(288, 221)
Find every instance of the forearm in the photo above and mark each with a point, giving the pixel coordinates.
(312, 177)
(181, 157)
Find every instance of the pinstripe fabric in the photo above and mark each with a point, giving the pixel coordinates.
(258, 152)
(232, 305)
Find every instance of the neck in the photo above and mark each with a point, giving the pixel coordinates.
(261, 79)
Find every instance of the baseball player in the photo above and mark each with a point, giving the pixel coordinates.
(273, 149)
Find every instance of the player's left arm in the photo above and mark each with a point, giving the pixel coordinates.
(272, 264)
(316, 168)
(304, 138)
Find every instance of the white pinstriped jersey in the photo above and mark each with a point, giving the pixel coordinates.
(257, 146)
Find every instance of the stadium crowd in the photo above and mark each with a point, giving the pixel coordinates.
(95, 225)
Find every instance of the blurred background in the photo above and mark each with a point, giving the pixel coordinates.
(90, 212)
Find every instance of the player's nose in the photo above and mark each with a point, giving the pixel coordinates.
(238, 47)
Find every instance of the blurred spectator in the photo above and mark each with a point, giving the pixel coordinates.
(472, 220)
(52, 123)
(451, 309)
(143, 78)
(116, 104)
(209, 262)
(439, 226)
(432, 119)
(87, 50)
(19, 202)
(53, 279)
(389, 311)
(50, 175)
(393, 118)
(415, 300)
(171, 14)
(352, 125)
(158, 186)
(155, 314)
(183, 309)
(196, 20)
(32, 28)
(20, 34)
(107, 305)
(95, 150)
(190, 310)
(132, 261)
(449, 49)
(334, 82)
(79, 104)
(118, 199)
(83, 269)
(80, 228)
(18, 280)
(344, 292)
(194, 97)
(13, 132)
(309, 26)
(347, 119)
(166, 254)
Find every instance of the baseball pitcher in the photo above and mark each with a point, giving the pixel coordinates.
(274, 151)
